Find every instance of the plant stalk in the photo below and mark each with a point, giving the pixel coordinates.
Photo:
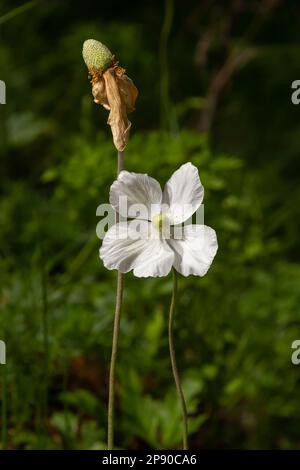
(166, 105)
(45, 341)
(4, 408)
(116, 330)
(174, 365)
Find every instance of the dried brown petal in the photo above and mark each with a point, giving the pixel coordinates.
(116, 92)
(99, 93)
(120, 125)
(128, 92)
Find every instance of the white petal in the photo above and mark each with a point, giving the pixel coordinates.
(140, 191)
(124, 248)
(196, 250)
(183, 193)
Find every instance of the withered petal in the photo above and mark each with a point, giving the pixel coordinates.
(120, 125)
(128, 91)
(99, 92)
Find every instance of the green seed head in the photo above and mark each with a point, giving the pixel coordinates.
(96, 55)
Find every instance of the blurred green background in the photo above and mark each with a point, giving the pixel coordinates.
(215, 89)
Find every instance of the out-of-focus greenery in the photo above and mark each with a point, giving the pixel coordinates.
(235, 326)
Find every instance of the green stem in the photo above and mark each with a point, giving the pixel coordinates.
(165, 112)
(119, 295)
(66, 410)
(42, 414)
(45, 336)
(174, 365)
(4, 408)
(16, 11)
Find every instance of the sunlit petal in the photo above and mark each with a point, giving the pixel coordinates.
(136, 195)
(127, 248)
(183, 193)
(196, 250)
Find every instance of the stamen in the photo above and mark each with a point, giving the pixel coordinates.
(158, 221)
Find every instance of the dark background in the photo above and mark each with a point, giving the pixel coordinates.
(214, 82)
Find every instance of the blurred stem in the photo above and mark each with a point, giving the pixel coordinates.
(174, 364)
(46, 342)
(17, 11)
(165, 113)
(3, 129)
(45, 328)
(4, 408)
(119, 295)
(66, 410)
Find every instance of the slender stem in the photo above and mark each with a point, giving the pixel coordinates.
(46, 350)
(45, 329)
(120, 168)
(174, 365)
(16, 11)
(4, 408)
(66, 407)
(119, 295)
(165, 111)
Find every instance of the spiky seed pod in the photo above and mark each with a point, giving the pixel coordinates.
(96, 55)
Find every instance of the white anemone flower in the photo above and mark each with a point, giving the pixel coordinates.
(149, 245)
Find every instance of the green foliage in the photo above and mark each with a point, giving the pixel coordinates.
(234, 327)
(158, 421)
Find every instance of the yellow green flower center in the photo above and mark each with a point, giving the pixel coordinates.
(158, 221)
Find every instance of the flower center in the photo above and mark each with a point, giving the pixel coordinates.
(158, 221)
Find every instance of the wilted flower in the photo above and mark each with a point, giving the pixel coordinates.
(145, 244)
(112, 88)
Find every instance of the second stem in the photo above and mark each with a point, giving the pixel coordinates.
(174, 365)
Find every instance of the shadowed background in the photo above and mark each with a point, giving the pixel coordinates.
(215, 89)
